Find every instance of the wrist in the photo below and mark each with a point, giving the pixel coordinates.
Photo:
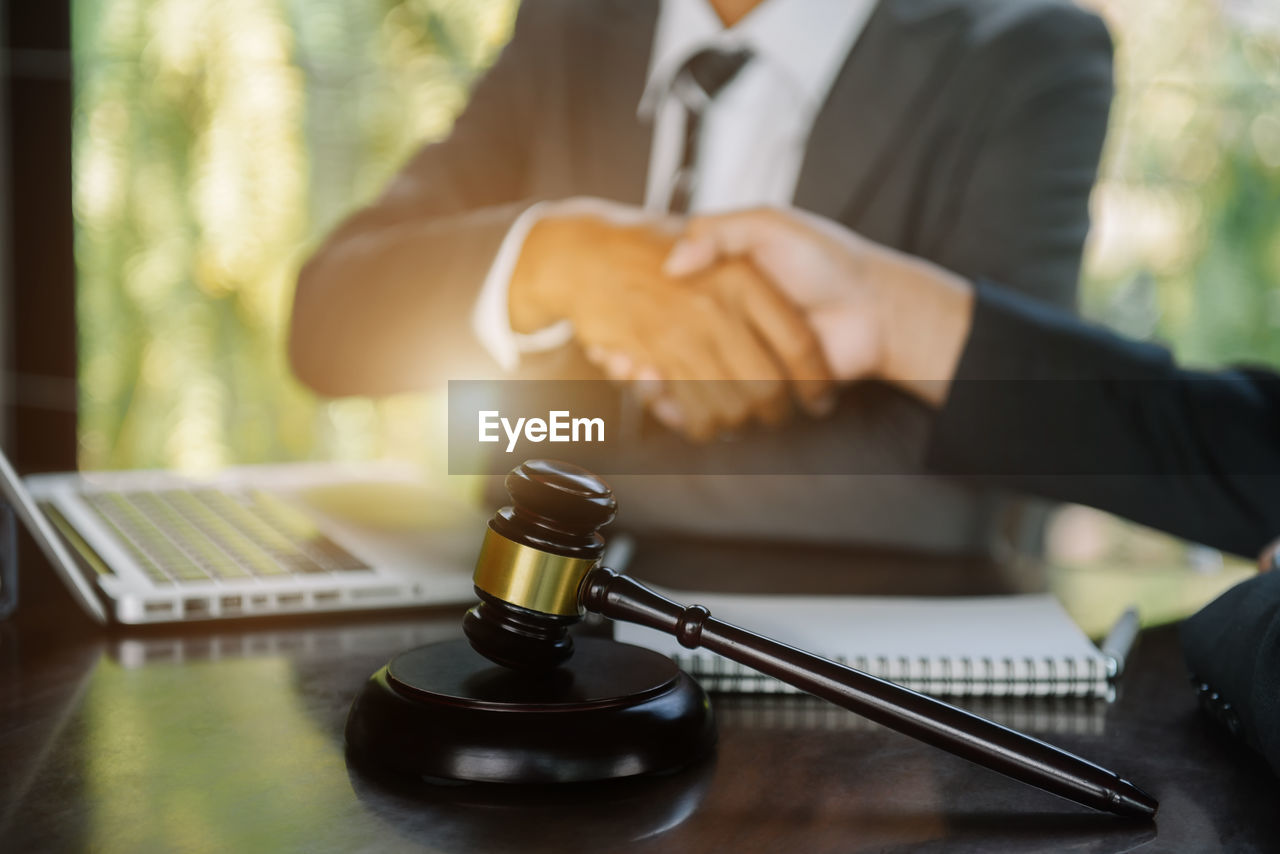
(540, 287)
(926, 317)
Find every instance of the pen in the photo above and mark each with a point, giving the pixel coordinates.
(1119, 641)
(932, 721)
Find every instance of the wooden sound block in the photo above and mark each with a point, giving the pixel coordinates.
(613, 710)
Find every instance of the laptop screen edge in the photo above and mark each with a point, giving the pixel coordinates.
(16, 493)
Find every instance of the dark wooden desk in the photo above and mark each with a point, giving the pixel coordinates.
(232, 741)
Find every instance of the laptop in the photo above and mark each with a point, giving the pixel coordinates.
(157, 547)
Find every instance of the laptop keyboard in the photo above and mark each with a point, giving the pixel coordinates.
(201, 535)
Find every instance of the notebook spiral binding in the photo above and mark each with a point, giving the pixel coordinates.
(944, 677)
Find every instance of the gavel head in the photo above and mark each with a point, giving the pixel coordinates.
(534, 557)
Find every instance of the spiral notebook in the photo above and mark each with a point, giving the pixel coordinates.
(1023, 645)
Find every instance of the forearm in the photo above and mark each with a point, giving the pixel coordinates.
(1033, 400)
(1044, 404)
(382, 308)
(926, 314)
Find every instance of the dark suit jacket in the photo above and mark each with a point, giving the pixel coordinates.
(964, 131)
(1045, 404)
(1232, 648)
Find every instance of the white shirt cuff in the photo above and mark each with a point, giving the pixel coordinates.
(490, 319)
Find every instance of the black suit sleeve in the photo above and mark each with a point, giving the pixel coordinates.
(1232, 648)
(1046, 404)
(383, 305)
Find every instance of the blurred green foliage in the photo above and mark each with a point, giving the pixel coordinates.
(1185, 246)
(217, 140)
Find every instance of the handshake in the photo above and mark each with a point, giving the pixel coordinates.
(722, 320)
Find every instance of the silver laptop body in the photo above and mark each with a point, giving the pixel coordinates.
(156, 547)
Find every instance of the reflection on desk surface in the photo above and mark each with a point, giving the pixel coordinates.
(234, 743)
(304, 643)
(1040, 715)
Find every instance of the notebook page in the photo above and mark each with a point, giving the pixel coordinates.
(952, 645)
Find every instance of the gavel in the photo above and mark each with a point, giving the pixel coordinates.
(539, 571)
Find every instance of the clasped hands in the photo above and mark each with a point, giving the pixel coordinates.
(723, 320)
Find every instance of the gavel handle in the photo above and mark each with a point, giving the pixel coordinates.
(944, 726)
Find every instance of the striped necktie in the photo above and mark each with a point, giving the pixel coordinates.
(703, 76)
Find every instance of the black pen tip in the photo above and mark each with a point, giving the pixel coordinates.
(1129, 800)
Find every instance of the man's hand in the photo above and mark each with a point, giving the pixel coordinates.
(878, 313)
(1270, 557)
(725, 347)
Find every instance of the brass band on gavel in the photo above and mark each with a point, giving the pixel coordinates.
(530, 578)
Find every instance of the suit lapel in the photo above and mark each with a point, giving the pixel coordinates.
(612, 141)
(885, 83)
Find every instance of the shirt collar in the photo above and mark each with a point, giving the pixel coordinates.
(805, 41)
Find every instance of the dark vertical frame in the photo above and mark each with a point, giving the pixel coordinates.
(39, 278)
(5, 236)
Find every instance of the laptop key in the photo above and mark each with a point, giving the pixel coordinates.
(340, 557)
(290, 553)
(143, 536)
(159, 528)
(197, 541)
(204, 535)
(145, 563)
(232, 537)
(302, 563)
(300, 529)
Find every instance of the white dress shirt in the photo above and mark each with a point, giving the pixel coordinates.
(753, 138)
